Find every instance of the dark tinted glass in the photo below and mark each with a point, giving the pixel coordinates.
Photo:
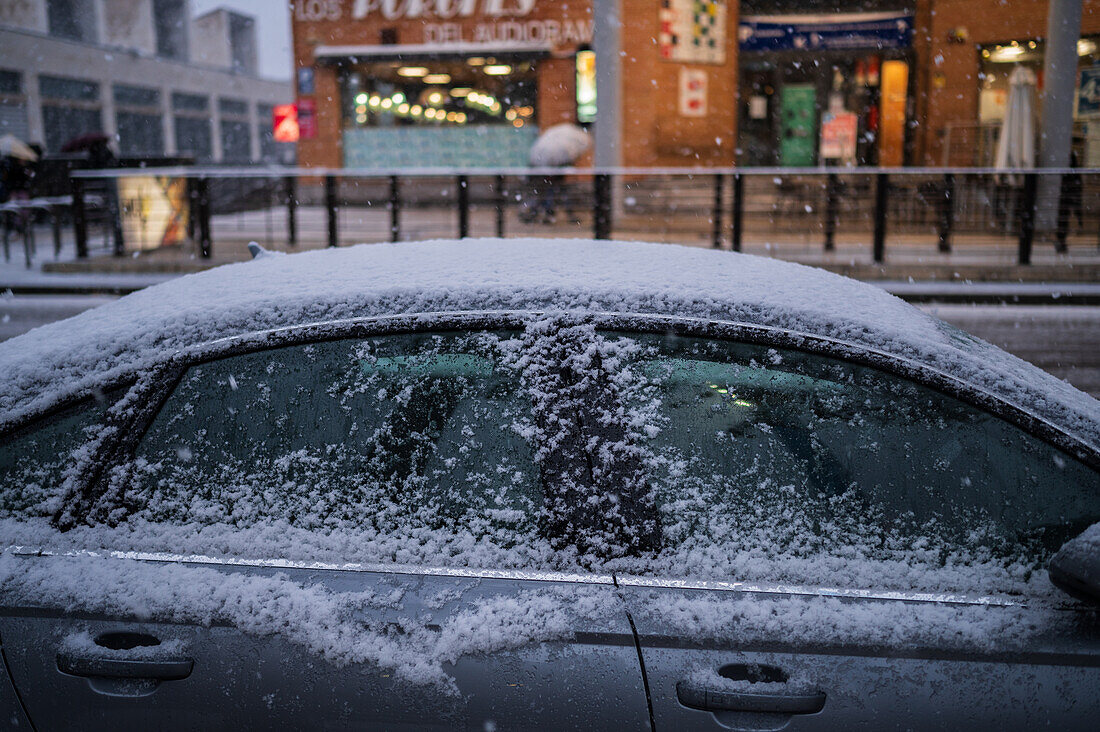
(33, 460)
(400, 431)
(816, 451)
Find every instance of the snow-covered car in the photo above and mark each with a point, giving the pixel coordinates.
(537, 484)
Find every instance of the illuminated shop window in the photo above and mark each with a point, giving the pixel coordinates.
(586, 87)
(458, 92)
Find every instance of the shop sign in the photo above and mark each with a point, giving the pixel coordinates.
(825, 32)
(693, 31)
(307, 119)
(331, 10)
(550, 32)
(285, 123)
(305, 80)
(153, 210)
(838, 136)
(693, 93)
(1088, 95)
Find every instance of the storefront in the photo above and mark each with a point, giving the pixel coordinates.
(826, 88)
(407, 83)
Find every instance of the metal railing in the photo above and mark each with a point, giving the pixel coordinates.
(854, 208)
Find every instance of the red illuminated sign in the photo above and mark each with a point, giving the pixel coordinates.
(286, 123)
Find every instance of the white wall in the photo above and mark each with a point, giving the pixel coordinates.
(129, 23)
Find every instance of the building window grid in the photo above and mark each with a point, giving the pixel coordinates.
(194, 133)
(139, 120)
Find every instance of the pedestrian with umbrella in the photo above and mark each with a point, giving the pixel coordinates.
(559, 146)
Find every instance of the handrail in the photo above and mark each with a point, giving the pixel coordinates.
(426, 172)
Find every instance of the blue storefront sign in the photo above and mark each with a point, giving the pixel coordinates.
(874, 31)
(1088, 95)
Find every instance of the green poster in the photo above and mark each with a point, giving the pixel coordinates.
(798, 125)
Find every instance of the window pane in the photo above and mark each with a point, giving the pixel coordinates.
(401, 433)
(236, 142)
(793, 455)
(56, 87)
(11, 82)
(140, 134)
(136, 96)
(193, 138)
(33, 460)
(233, 107)
(64, 123)
(189, 102)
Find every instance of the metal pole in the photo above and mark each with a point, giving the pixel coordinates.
(716, 232)
(80, 219)
(607, 43)
(116, 216)
(601, 189)
(502, 201)
(881, 193)
(1059, 80)
(395, 209)
(290, 184)
(830, 212)
(947, 212)
(204, 218)
(1027, 217)
(330, 207)
(463, 207)
(738, 211)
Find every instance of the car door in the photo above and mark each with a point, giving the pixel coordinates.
(844, 548)
(342, 534)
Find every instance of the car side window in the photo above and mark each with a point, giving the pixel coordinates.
(399, 433)
(788, 454)
(33, 459)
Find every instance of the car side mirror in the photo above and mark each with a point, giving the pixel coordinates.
(1075, 568)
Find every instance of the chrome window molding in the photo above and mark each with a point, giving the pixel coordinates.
(616, 580)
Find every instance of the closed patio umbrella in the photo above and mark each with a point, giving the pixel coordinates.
(1016, 144)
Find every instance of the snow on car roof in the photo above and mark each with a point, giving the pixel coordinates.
(55, 361)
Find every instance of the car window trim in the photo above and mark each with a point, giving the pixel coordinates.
(361, 567)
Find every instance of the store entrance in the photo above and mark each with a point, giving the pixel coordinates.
(843, 108)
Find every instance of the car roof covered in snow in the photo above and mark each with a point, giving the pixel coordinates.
(54, 362)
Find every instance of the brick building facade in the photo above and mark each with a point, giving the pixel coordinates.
(732, 102)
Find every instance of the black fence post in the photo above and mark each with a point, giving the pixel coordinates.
(831, 183)
(192, 208)
(115, 207)
(716, 232)
(55, 226)
(80, 218)
(501, 202)
(601, 202)
(395, 209)
(205, 243)
(330, 207)
(1027, 217)
(290, 189)
(947, 212)
(738, 212)
(881, 198)
(463, 207)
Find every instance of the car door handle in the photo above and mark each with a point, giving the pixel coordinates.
(168, 669)
(700, 696)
